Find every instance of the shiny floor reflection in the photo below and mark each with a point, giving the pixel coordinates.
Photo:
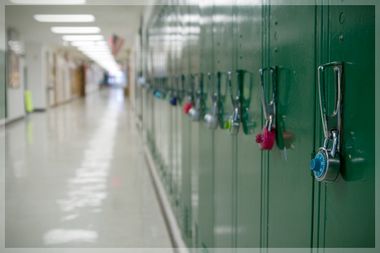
(76, 177)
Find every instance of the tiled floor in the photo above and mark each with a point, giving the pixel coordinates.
(76, 177)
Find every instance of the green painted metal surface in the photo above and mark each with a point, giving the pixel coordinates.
(225, 191)
(346, 207)
(248, 35)
(187, 215)
(290, 48)
(224, 143)
(206, 136)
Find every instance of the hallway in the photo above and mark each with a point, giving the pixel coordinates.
(76, 177)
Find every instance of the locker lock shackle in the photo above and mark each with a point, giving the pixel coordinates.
(326, 163)
(267, 138)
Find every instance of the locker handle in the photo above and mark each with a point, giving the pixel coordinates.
(211, 117)
(174, 91)
(221, 97)
(267, 137)
(240, 102)
(338, 71)
(198, 110)
(269, 108)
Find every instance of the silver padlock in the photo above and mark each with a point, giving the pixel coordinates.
(195, 113)
(211, 118)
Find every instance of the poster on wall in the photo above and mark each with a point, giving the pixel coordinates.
(15, 51)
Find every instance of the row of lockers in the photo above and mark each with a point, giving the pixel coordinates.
(302, 76)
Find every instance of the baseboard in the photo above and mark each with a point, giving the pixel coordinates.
(6, 122)
(173, 227)
(39, 110)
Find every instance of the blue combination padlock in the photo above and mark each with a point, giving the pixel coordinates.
(326, 163)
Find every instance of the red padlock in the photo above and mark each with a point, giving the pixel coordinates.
(266, 139)
(187, 106)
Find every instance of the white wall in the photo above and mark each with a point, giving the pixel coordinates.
(36, 80)
(15, 97)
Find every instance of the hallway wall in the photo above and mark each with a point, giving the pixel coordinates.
(15, 96)
(15, 70)
(36, 74)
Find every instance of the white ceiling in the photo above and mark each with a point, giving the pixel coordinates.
(123, 20)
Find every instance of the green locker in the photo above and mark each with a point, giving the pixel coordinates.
(170, 62)
(224, 142)
(248, 36)
(289, 185)
(193, 27)
(230, 193)
(177, 112)
(186, 137)
(346, 207)
(206, 136)
(166, 136)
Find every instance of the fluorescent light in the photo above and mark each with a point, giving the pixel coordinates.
(82, 37)
(88, 43)
(64, 18)
(94, 50)
(49, 2)
(75, 29)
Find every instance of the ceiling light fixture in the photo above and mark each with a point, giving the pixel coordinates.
(48, 2)
(100, 43)
(75, 29)
(64, 18)
(82, 37)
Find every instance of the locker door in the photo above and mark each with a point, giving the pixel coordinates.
(206, 137)
(248, 35)
(170, 44)
(177, 114)
(193, 29)
(224, 141)
(347, 206)
(186, 178)
(186, 136)
(290, 184)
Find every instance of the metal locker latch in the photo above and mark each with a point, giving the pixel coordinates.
(267, 137)
(241, 104)
(211, 118)
(326, 163)
(197, 110)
